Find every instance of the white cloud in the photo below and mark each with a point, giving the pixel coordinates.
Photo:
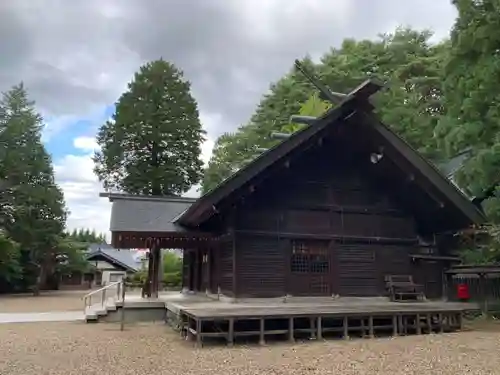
(87, 144)
(74, 173)
(81, 191)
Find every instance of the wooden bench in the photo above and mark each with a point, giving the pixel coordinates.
(402, 287)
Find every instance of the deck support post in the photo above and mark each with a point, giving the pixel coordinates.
(346, 328)
(230, 334)
(313, 335)
(291, 337)
(419, 327)
(395, 325)
(262, 340)
(199, 342)
(370, 327)
(319, 328)
(429, 323)
(441, 323)
(363, 328)
(400, 325)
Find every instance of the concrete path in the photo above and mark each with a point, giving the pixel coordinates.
(52, 316)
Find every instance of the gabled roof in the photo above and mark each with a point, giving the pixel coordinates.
(121, 257)
(354, 102)
(453, 165)
(134, 213)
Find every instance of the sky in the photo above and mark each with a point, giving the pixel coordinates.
(76, 57)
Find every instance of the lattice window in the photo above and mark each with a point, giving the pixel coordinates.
(309, 257)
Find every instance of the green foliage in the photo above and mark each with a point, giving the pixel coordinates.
(483, 248)
(152, 145)
(87, 236)
(171, 262)
(234, 150)
(172, 270)
(172, 279)
(139, 278)
(314, 106)
(10, 268)
(471, 95)
(70, 256)
(34, 205)
(411, 104)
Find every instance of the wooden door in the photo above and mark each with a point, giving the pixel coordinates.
(430, 275)
(310, 268)
(357, 269)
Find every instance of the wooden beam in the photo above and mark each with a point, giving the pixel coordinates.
(280, 136)
(306, 120)
(324, 236)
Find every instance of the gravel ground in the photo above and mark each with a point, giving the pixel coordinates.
(76, 348)
(47, 301)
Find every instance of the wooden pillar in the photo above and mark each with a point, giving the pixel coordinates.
(395, 330)
(262, 340)
(149, 278)
(230, 335)
(429, 323)
(156, 274)
(196, 270)
(346, 328)
(319, 328)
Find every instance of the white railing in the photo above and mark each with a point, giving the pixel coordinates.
(104, 293)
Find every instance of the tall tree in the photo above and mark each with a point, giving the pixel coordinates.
(10, 269)
(472, 95)
(86, 236)
(411, 103)
(234, 150)
(36, 203)
(152, 145)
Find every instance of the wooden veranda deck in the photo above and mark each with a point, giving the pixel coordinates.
(317, 321)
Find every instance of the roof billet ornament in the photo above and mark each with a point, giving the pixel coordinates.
(333, 97)
(306, 120)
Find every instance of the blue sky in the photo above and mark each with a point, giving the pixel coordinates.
(61, 142)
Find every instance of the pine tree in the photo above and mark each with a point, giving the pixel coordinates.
(153, 143)
(36, 202)
(471, 95)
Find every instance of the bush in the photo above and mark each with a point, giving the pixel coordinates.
(172, 279)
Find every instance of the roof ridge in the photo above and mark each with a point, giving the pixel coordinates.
(163, 198)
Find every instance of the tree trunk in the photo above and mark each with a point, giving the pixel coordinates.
(40, 280)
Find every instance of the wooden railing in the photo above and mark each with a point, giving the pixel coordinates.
(104, 293)
(482, 282)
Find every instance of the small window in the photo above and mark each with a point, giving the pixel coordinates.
(310, 256)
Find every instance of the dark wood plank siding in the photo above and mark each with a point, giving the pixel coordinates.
(260, 265)
(226, 267)
(328, 193)
(214, 269)
(357, 266)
